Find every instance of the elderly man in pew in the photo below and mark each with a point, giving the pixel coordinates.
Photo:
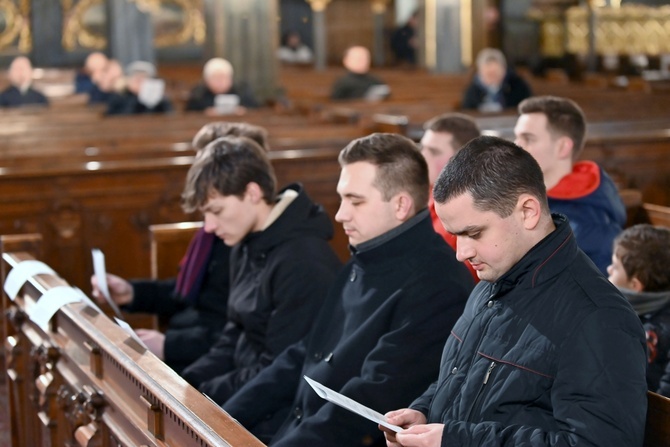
(379, 335)
(358, 83)
(196, 302)
(552, 129)
(281, 264)
(85, 79)
(547, 352)
(20, 92)
(217, 94)
(143, 93)
(443, 137)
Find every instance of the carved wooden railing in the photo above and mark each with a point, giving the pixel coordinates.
(81, 380)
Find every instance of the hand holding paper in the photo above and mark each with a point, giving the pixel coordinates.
(350, 404)
(101, 277)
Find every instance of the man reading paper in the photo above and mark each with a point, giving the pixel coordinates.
(380, 332)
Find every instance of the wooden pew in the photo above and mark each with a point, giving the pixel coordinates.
(657, 431)
(657, 214)
(169, 243)
(83, 381)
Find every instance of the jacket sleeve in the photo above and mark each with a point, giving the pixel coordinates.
(219, 359)
(598, 394)
(297, 289)
(664, 385)
(155, 297)
(271, 390)
(404, 360)
(471, 97)
(422, 403)
(196, 338)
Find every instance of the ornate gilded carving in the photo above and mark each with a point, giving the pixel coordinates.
(15, 25)
(176, 22)
(628, 30)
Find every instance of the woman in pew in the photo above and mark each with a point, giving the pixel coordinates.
(281, 262)
(143, 93)
(196, 302)
(640, 260)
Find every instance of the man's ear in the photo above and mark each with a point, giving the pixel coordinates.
(565, 148)
(253, 192)
(635, 284)
(404, 206)
(530, 210)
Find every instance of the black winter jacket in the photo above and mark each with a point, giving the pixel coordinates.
(192, 328)
(514, 89)
(279, 279)
(549, 355)
(377, 340)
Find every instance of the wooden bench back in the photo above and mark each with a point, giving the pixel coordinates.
(83, 381)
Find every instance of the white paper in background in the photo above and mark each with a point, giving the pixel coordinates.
(20, 274)
(151, 92)
(49, 303)
(129, 330)
(101, 275)
(350, 404)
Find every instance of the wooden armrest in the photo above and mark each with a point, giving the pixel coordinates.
(168, 246)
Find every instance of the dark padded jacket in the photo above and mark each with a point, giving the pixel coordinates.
(279, 279)
(377, 340)
(549, 355)
(513, 90)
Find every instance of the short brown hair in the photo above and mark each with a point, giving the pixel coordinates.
(211, 131)
(644, 252)
(564, 118)
(400, 165)
(226, 166)
(461, 127)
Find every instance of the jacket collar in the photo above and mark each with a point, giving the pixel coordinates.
(545, 260)
(395, 242)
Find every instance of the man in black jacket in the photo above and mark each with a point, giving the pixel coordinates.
(379, 335)
(20, 92)
(281, 264)
(547, 352)
(196, 301)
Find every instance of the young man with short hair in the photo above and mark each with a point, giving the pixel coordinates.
(552, 129)
(547, 352)
(443, 137)
(379, 335)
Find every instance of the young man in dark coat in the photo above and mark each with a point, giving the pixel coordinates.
(281, 264)
(20, 92)
(196, 302)
(547, 351)
(378, 337)
(552, 129)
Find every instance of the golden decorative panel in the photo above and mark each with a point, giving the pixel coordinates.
(628, 30)
(176, 22)
(15, 25)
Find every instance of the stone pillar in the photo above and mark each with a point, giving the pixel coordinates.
(130, 31)
(47, 30)
(319, 27)
(442, 41)
(246, 34)
(378, 13)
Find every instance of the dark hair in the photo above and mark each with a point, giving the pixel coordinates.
(226, 166)
(212, 131)
(644, 252)
(400, 165)
(461, 127)
(564, 118)
(495, 172)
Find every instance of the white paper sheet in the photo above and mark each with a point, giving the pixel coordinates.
(20, 274)
(350, 404)
(129, 330)
(49, 303)
(101, 275)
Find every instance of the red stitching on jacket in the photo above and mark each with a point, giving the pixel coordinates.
(456, 336)
(515, 365)
(537, 270)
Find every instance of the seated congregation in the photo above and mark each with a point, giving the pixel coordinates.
(473, 308)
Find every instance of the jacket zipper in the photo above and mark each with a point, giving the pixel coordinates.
(481, 389)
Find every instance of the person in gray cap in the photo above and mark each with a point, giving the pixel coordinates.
(143, 93)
